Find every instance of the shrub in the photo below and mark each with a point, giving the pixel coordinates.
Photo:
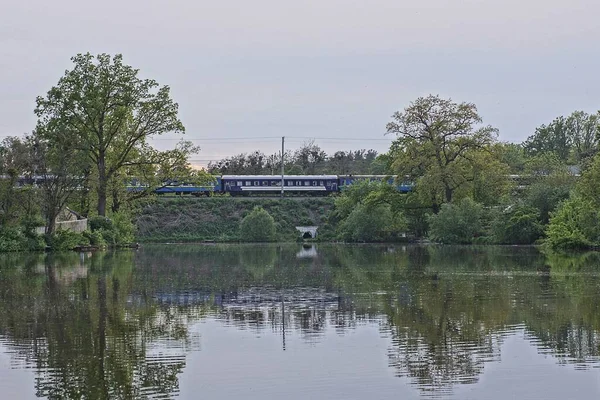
(66, 240)
(119, 229)
(12, 239)
(517, 224)
(258, 226)
(575, 225)
(457, 223)
(98, 222)
(370, 224)
(124, 229)
(95, 238)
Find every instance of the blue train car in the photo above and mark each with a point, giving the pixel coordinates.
(179, 188)
(265, 184)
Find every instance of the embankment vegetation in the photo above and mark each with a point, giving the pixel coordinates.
(220, 219)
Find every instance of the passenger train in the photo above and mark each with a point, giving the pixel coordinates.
(245, 185)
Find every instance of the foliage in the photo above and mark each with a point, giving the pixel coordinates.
(108, 112)
(572, 139)
(11, 239)
(549, 182)
(457, 223)
(95, 238)
(99, 222)
(371, 224)
(124, 228)
(517, 224)
(308, 159)
(63, 240)
(258, 226)
(551, 138)
(369, 212)
(117, 230)
(575, 225)
(441, 146)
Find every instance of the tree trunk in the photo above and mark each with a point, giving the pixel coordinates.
(102, 183)
(449, 193)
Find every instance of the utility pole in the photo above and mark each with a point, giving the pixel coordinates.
(282, 163)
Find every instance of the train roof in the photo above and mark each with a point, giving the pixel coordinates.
(279, 177)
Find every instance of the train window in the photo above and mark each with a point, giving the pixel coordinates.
(290, 183)
(256, 183)
(320, 183)
(298, 183)
(265, 183)
(314, 183)
(239, 183)
(248, 183)
(306, 183)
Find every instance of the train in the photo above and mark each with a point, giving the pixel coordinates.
(249, 185)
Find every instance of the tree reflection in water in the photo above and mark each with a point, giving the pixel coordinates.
(117, 325)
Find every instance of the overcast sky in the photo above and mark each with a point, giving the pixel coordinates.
(334, 69)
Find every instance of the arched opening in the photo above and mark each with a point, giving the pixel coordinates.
(307, 235)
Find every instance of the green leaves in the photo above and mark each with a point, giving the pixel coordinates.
(102, 108)
(258, 226)
(440, 145)
(457, 223)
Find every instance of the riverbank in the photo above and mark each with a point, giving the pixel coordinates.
(218, 218)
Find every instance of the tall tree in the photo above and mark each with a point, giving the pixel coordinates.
(310, 157)
(584, 130)
(438, 143)
(106, 110)
(551, 138)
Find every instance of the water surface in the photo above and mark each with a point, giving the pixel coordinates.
(326, 322)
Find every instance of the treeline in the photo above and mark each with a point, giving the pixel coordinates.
(466, 190)
(309, 159)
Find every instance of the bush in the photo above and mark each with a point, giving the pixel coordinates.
(12, 239)
(66, 240)
(95, 238)
(97, 223)
(114, 231)
(258, 226)
(575, 225)
(370, 224)
(517, 225)
(124, 229)
(457, 223)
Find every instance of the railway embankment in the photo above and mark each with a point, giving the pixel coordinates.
(218, 218)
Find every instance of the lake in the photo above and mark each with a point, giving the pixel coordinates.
(294, 322)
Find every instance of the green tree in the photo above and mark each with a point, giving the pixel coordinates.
(106, 110)
(575, 225)
(584, 132)
(548, 181)
(437, 146)
(258, 226)
(457, 223)
(551, 138)
(371, 224)
(517, 224)
(576, 222)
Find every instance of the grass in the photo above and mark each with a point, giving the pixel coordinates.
(218, 218)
